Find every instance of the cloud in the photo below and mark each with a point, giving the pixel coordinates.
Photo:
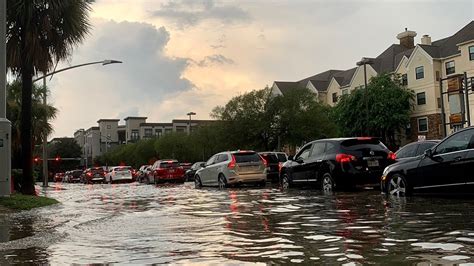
(185, 13)
(216, 59)
(147, 76)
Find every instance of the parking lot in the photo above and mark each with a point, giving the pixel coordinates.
(135, 223)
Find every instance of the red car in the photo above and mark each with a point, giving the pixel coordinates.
(165, 171)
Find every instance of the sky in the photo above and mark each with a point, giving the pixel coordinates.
(192, 55)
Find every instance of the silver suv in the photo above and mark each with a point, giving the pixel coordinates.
(232, 168)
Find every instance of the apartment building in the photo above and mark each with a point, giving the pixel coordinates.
(108, 134)
(421, 67)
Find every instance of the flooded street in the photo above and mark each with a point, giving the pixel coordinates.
(143, 224)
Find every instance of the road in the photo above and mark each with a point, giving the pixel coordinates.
(143, 224)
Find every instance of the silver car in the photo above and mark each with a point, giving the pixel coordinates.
(232, 168)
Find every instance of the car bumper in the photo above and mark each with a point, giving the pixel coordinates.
(248, 178)
(367, 178)
(122, 178)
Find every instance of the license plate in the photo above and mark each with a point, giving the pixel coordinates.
(171, 170)
(373, 163)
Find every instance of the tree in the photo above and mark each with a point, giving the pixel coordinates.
(41, 117)
(65, 148)
(389, 109)
(40, 34)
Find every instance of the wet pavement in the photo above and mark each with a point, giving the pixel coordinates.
(143, 224)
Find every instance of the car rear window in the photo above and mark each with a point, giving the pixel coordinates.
(270, 157)
(363, 143)
(169, 165)
(246, 157)
(282, 157)
(97, 170)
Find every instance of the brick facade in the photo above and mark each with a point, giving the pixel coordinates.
(434, 127)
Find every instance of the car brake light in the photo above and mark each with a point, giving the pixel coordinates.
(105, 173)
(392, 156)
(89, 174)
(264, 161)
(345, 158)
(231, 165)
(364, 138)
(280, 165)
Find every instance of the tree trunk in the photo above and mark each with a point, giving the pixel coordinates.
(28, 182)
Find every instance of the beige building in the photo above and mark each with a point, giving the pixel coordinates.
(108, 134)
(421, 67)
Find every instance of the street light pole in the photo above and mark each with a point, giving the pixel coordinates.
(190, 114)
(5, 125)
(364, 62)
(45, 138)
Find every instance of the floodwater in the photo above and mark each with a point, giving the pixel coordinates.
(144, 224)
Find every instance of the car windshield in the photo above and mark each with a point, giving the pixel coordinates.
(246, 157)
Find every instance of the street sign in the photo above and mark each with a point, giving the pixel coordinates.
(454, 84)
(421, 137)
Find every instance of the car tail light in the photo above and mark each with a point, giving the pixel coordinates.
(231, 165)
(280, 165)
(392, 156)
(105, 173)
(264, 161)
(345, 158)
(89, 174)
(364, 138)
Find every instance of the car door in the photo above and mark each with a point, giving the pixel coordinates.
(313, 163)
(299, 169)
(446, 170)
(206, 172)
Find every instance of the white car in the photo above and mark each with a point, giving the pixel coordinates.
(119, 173)
(232, 168)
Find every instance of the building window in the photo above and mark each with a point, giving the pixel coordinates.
(419, 72)
(450, 68)
(109, 126)
(471, 53)
(181, 129)
(404, 80)
(438, 102)
(421, 98)
(135, 135)
(158, 132)
(334, 97)
(168, 130)
(345, 92)
(423, 124)
(437, 75)
(148, 132)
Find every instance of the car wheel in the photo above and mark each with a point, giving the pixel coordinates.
(327, 183)
(285, 182)
(197, 182)
(222, 182)
(397, 186)
(146, 180)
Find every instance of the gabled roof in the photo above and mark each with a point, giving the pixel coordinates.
(344, 77)
(285, 86)
(449, 46)
(320, 81)
(399, 57)
(320, 85)
(387, 61)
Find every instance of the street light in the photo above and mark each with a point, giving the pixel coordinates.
(190, 114)
(364, 62)
(45, 141)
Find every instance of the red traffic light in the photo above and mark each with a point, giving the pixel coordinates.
(57, 159)
(36, 159)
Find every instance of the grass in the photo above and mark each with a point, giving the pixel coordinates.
(25, 202)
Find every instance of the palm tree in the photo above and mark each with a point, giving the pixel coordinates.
(39, 34)
(41, 115)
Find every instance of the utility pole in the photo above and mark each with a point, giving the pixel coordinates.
(5, 125)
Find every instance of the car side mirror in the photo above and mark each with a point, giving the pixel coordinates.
(429, 153)
(290, 158)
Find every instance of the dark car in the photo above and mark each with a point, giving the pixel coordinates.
(93, 175)
(275, 161)
(414, 149)
(58, 177)
(75, 176)
(337, 163)
(445, 168)
(189, 174)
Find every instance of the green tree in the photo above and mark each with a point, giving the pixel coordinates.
(389, 109)
(40, 34)
(299, 117)
(65, 148)
(41, 117)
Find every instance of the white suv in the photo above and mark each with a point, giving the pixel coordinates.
(232, 168)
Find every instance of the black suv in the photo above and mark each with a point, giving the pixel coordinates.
(275, 161)
(445, 168)
(336, 163)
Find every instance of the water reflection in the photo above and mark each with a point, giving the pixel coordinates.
(134, 223)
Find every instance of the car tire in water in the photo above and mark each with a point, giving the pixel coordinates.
(397, 186)
(285, 182)
(197, 182)
(222, 181)
(327, 183)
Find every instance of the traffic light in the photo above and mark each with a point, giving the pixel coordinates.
(57, 159)
(36, 159)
